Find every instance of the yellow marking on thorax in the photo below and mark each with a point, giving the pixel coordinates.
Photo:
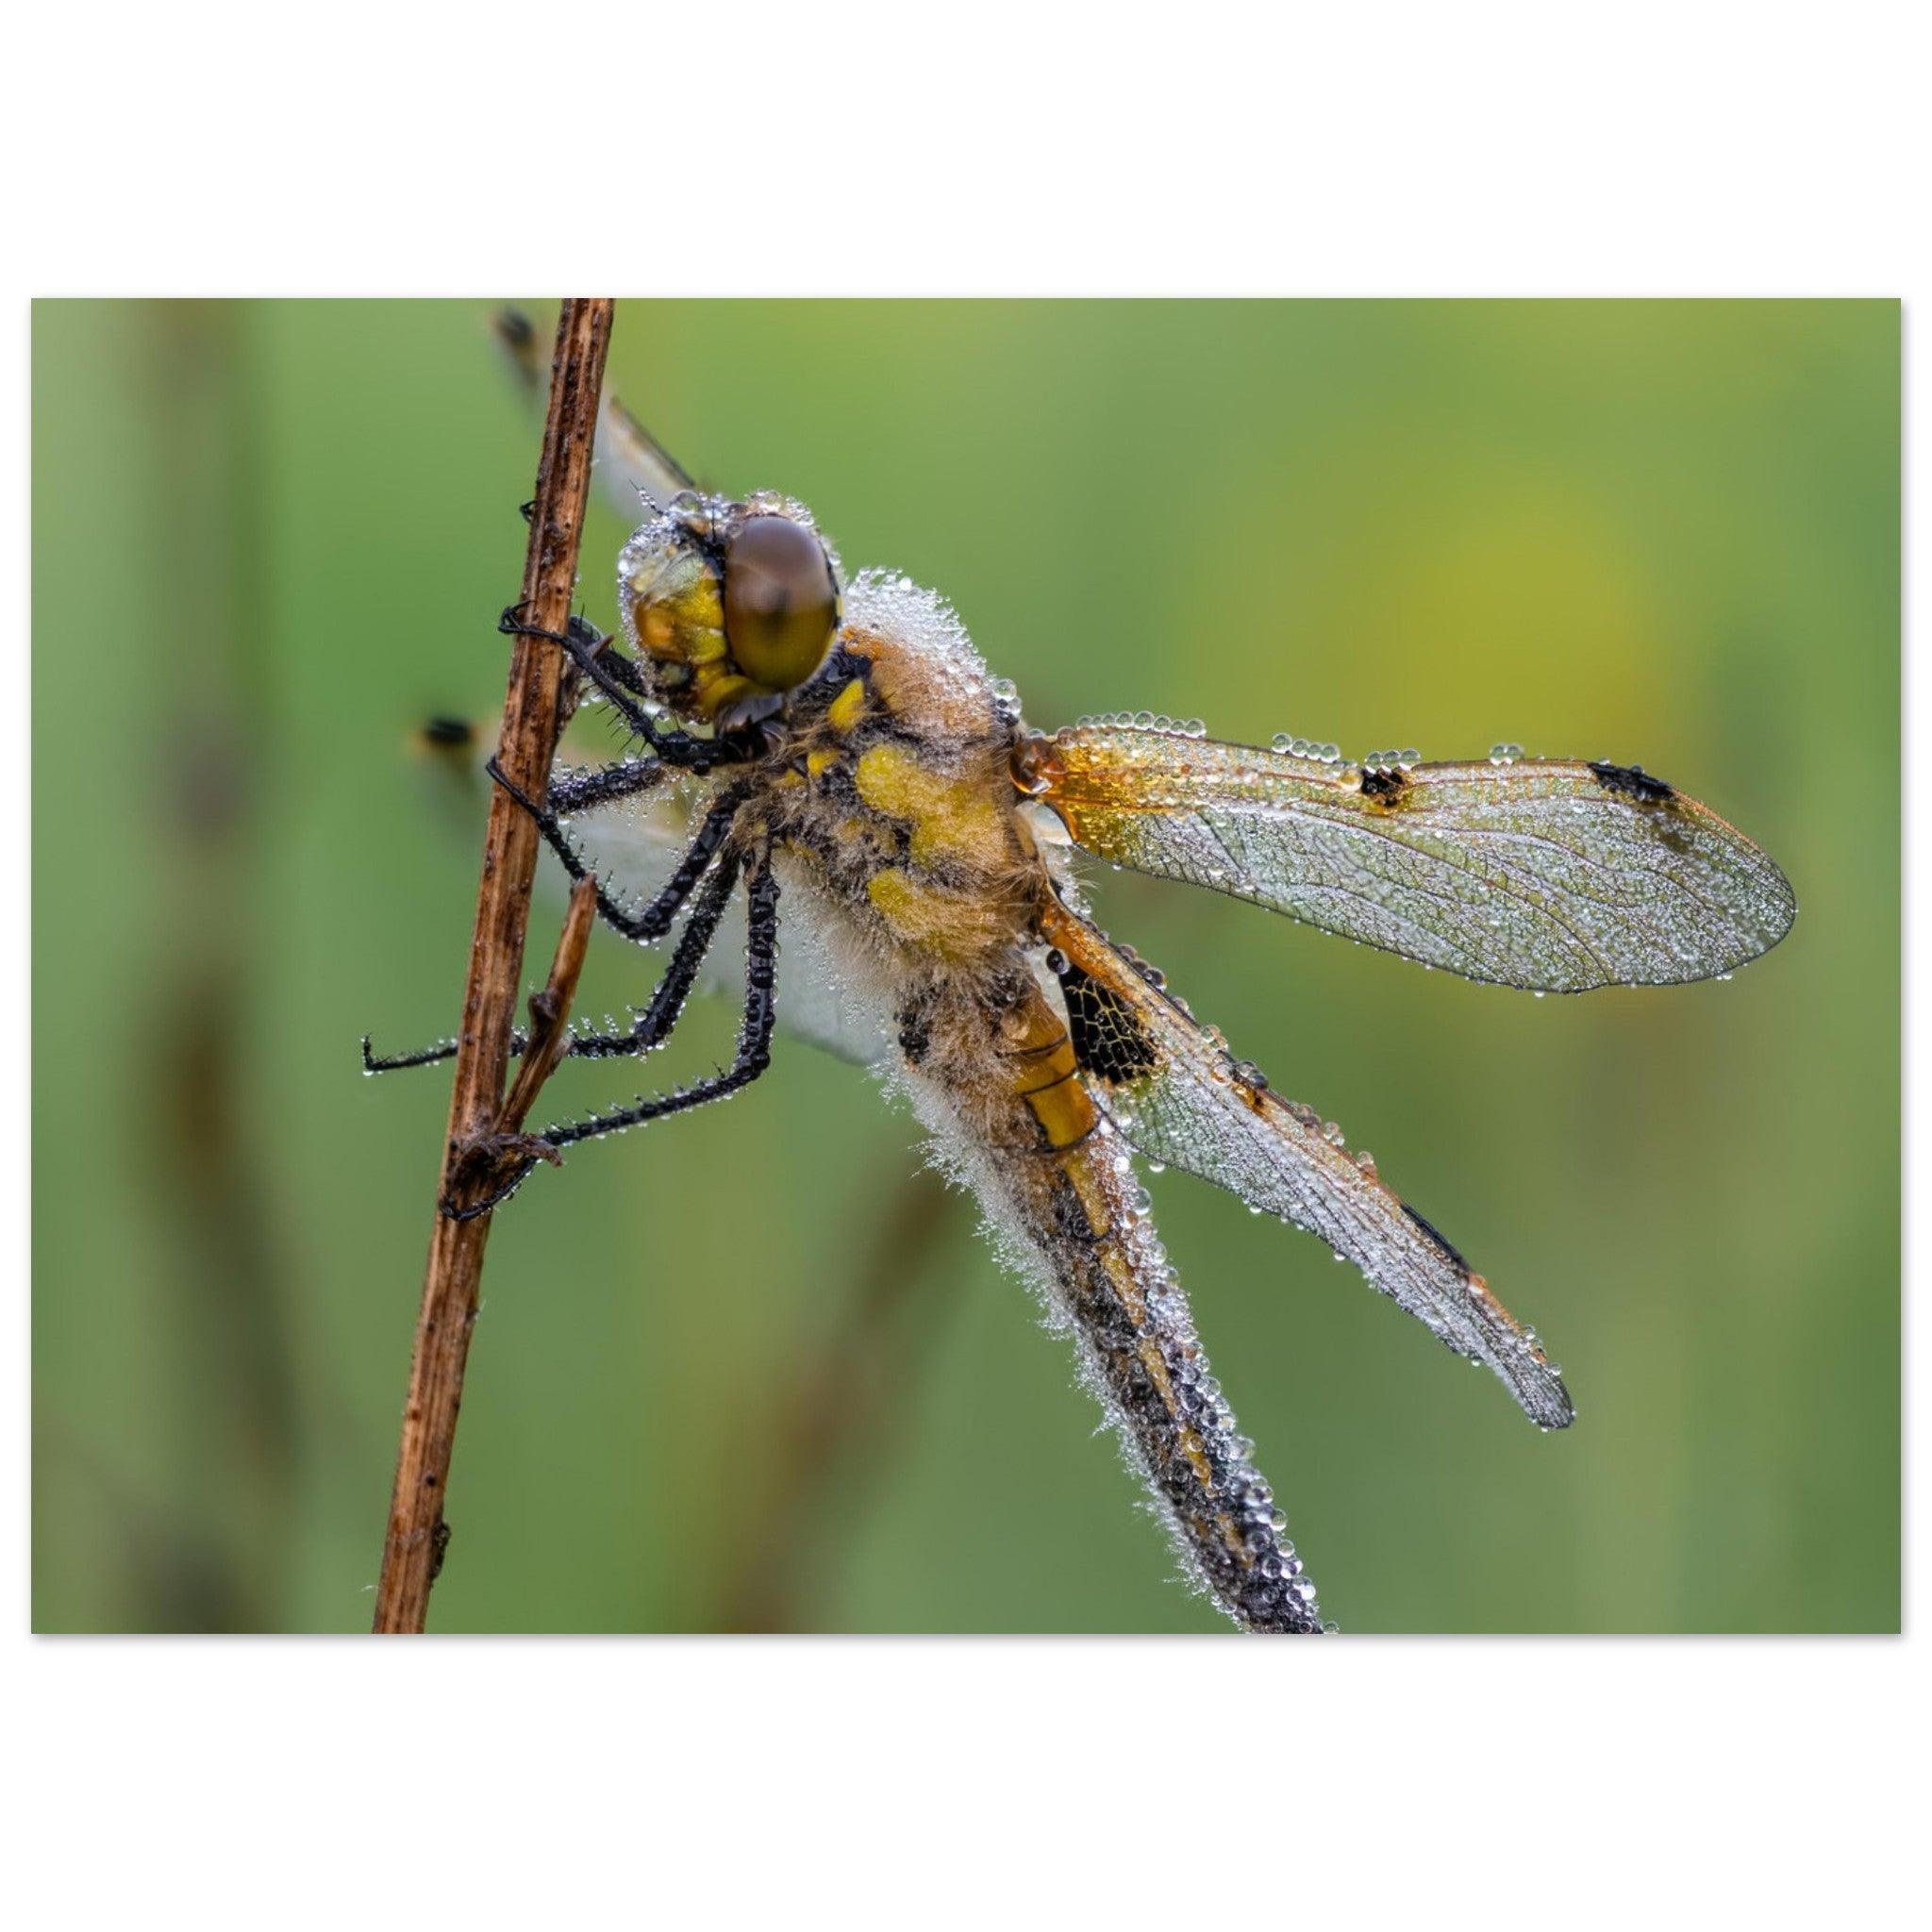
(842, 713)
(951, 818)
(953, 925)
(819, 762)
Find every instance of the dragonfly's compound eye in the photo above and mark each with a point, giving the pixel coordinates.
(781, 605)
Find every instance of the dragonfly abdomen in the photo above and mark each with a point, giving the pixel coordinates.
(1062, 1179)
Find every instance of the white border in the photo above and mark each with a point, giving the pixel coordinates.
(1642, 149)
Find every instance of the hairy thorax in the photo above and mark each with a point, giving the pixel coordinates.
(896, 797)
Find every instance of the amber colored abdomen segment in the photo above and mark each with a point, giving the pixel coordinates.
(1068, 1183)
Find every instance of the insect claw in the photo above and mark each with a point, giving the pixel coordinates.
(532, 1145)
(489, 1150)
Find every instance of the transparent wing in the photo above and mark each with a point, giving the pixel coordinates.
(633, 847)
(635, 471)
(1173, 1090)
(1544, 874)
(631, 463)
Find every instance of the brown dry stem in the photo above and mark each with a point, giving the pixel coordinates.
(412, 1552)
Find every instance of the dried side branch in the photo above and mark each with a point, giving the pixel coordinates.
(487, 1165)
(550, 1008)
(412, 1552)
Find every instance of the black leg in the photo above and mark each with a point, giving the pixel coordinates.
(613, 666)
(573, 792)
(620, 682)
(653, 1025)
(650, 926)
(754, 1042)
(654, 921)
(423, 1056)
(754, 1034)
(576, 791)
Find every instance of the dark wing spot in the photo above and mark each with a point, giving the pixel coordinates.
(1631, 781)
(1382, 783)
(449, 731)
(1108, 1041)
(1438, 1240)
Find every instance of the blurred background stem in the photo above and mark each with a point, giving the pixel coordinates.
(200, 557)
(840, 1411)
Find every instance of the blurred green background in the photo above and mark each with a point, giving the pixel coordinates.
(754, 1369)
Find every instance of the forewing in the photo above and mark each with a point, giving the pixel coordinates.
(1173, 1090)
(632, 466)
(1545, 874)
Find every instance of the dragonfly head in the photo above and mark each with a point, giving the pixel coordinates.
(729, 605)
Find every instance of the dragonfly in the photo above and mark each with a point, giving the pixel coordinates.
(820, 770)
